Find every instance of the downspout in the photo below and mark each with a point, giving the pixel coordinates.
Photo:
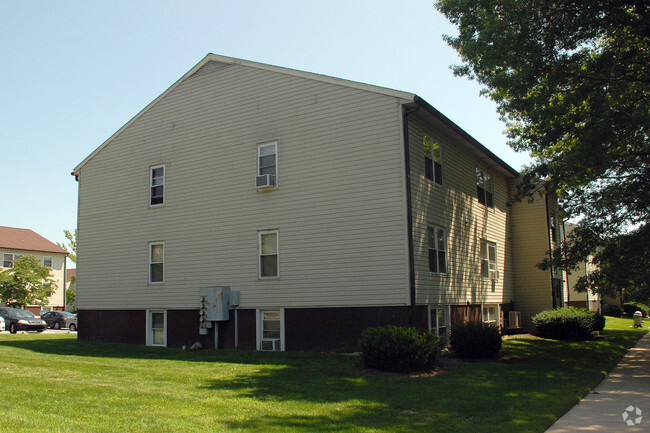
(550, 247)
(65, 278)
(568, 283)
(409, 213)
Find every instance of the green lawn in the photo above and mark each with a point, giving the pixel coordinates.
(54, 382)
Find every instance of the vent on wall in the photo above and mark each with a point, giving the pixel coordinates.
(211, 66)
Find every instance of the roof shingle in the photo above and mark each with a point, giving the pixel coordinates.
(25, 239)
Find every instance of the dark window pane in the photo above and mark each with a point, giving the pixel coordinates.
(438, 172)
(157, 194)
(156, 272)
(442, 262)
(433, 261)
(481, 194)
(267, 170)
(485, 269)
(157, 320)
(488, 199)
(428, 167)
(269, 265)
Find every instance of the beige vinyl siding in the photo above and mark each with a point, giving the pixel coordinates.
(454, 205)
(530, 237)
(339, 207)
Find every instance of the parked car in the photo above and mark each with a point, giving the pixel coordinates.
(2, 324)
(60, 319)
(21, 320)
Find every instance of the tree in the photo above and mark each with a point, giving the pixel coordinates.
(72, 244)
(571, 80)
(70, 294)
(27, 283)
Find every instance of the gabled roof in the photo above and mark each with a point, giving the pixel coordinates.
(213, 62)
(25, 239)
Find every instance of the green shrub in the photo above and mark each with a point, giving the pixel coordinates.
(614, 311)
(475, 340)
(632, 307)
(399, 349)
(565, 323)
(598, 322)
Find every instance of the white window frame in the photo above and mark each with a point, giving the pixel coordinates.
(14, 257)
(435, 247)
(151, 262)
(490, 265)
(260, 327)
(493, 320)
(51, 260)
(152, 186)
(150, 330)
(434, 322)
(485, 182)
(260, 234)
(260, 146)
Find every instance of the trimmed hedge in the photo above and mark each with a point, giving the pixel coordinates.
(399, 349)
(599, 322)
(566, 323)
(632, 307)
(475, 340)
(614, 311)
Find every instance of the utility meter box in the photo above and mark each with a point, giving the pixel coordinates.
(218, 302)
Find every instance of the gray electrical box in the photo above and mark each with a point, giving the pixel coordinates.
(218, 302)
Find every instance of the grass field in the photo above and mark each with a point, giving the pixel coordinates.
(54, 382)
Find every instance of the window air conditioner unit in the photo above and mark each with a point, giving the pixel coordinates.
(273, 345)
(265, 181)
(514, 319)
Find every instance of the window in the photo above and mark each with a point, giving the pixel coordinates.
(156, 262)
(437, 250)
(157, 196)
(9, 259)
(271, 330)
(552, 223)
(47, 261)
(267, 161)
(268, 248)
(432, 159)
(489, 260)
(484, 188)
(491, 314)
(156, 328)
(439, 321)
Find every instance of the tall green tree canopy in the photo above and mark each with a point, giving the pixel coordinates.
(27, 283)
(572, 82)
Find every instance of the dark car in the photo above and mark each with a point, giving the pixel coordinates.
(60, 319)
(21, 320)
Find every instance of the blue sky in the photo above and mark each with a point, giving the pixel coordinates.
(74, 72)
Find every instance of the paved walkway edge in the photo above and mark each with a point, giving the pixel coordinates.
(620, 403)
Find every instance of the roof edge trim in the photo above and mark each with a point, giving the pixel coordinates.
(460, 131)
(235, 61)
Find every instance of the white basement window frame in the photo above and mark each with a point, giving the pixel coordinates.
(157, 327)
(270, 329)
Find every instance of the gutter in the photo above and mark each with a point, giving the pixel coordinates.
(409, 210)
(458, 130)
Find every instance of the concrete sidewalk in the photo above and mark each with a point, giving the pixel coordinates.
(621, 403)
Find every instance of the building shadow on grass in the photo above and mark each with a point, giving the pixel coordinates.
(532, 383)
